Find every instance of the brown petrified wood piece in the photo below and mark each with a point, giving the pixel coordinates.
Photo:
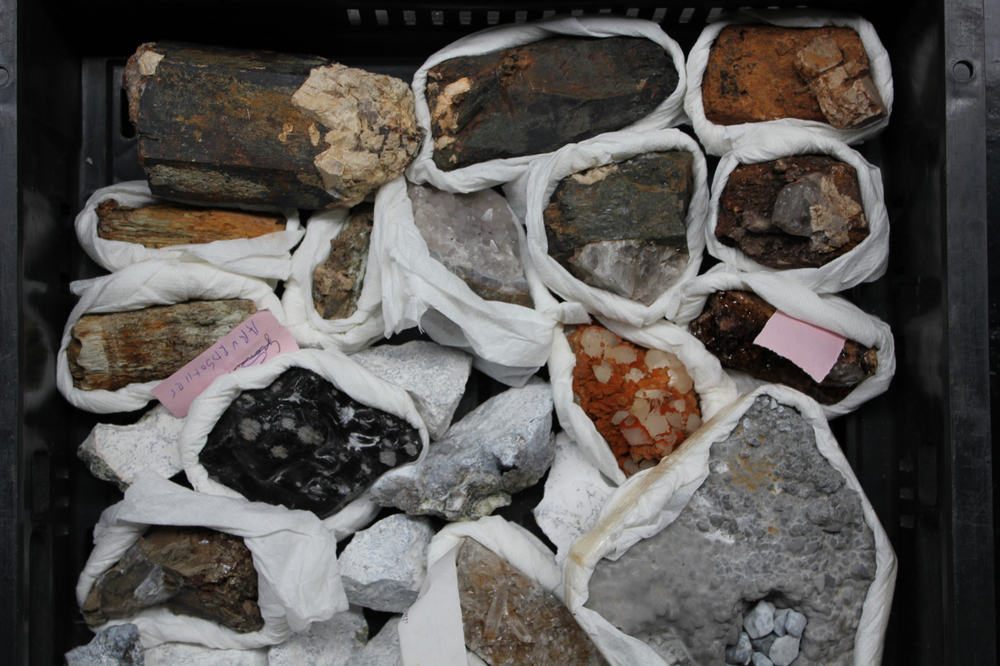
(732, 320)
(795, 212)
(110, 351)
(337, 283)
(222, 125)
(163, 225)
(757, 73)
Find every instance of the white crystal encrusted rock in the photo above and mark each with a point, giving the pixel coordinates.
(115, 453)
(383, 566)
(186, 654)
(331, 643)
(383, 649)
(500, 448)
(433, 375)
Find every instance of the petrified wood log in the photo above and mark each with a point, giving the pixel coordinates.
(111, 351)
(535, 98)
(337, 283)
(833, 222)
(163, 225)
(220, 125)
(732, 320)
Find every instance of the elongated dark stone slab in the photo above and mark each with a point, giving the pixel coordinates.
(303, 444)
(538, 97)
(337, 283)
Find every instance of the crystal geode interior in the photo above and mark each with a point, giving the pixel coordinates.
(304, 444)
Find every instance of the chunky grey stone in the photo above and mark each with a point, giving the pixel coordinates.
(186, 654)
(383, 566)
(500, 448)
(760, 659)
(784, 651)
(331, 643)
(742, 652)
(383, 649)
(795, 624)
(115, 646)
(760, 621)
(764, 643)
(115, 453)
(781, 616)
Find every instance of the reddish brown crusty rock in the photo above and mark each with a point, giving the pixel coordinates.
(338, 281)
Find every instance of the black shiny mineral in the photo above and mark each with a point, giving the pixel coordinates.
(304, 444)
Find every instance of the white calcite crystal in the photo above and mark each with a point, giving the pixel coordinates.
(383, 566)
(115, 453)
(383, 649)
(500, 448)
(433, 375)
(331, 643)
(186, 654)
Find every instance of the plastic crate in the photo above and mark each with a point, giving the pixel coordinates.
(922, 450)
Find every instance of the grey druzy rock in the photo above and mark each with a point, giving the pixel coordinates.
(115, 646)
(433, 375)
(115, 453)
(331, 643)
(500, 448)
(186, 654)
(383, 566)
(772, 518)
(383, 649)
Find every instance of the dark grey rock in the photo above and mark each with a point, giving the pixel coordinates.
(742, 652)
(115, 646)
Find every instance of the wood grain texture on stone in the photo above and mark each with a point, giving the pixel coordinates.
(732, 320)
(164, 225)
(110, 351)
(752, 75)
(833, 225)
(535, 98)
(192, 570)
(220, 125)
(337, 282)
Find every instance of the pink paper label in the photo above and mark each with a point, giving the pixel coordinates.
(812, 348)
(254, 342)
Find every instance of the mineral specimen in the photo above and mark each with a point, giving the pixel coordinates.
(192, 570)
(188, 654)
(500, 448)
(334, 642)
(732, 320)
(383, 649)
(110, 351)
(115, 646)
(753, 75)
(163, 225)
(642, 401)
(475, 237)
(115, 453)
(337, 283)
(765, 639)
(303, 444)
(511, 619)
(775, 521)
(795, 212)
(621, 227)
(535, 98)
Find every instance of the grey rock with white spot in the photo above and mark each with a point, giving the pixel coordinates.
(742, 652)
(433, 375)
(759, 659)
(383, 566)
(115, 453)
(503, 446)
(115, 646)
(759, 622)
(795, 624)
(383, 649)
(186, 654)
(784, 651)
(335, 642)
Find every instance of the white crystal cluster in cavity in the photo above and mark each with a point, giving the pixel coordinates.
(473, 235)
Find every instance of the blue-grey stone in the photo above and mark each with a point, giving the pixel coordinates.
(759, 622)
(115, 646)
(764, 643)
(779, 621)
(760, 659)
(742, 652)
(795, 624)
(784, 651)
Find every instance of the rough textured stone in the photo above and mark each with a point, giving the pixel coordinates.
(500, 448)
(535, 98)
(433, 375)
(383, 567)
(192, 570)
(772, 516)
(334, 642)
(337, 282)
(383, 649)
(621, 227)
(742, 652)
(732, 320)
(845, 91)
(511, 619)
(475, 237)
(303, 444)
(752, 77)
(784, 651)
(186, 654)
(115, 453)
(796, 212)
(759, 621)
(115, 646)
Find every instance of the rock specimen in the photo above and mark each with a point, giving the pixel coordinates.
(163, 225)
(115, 453)
(337, 283)
(770, 637)
(757, 73)
(774, 521)
(383, 649)
(621, 226)
(192, 570)
(501, 447)
(115, 646)
(221, 125)
(732, 320)
(334, 642)
(303, 444)
(795, 212)
(433, 375)
(475, 237)
(642, 401)
(187, 654)
(383, 566)
(509, 618)
(535, 98)
(110, 351)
